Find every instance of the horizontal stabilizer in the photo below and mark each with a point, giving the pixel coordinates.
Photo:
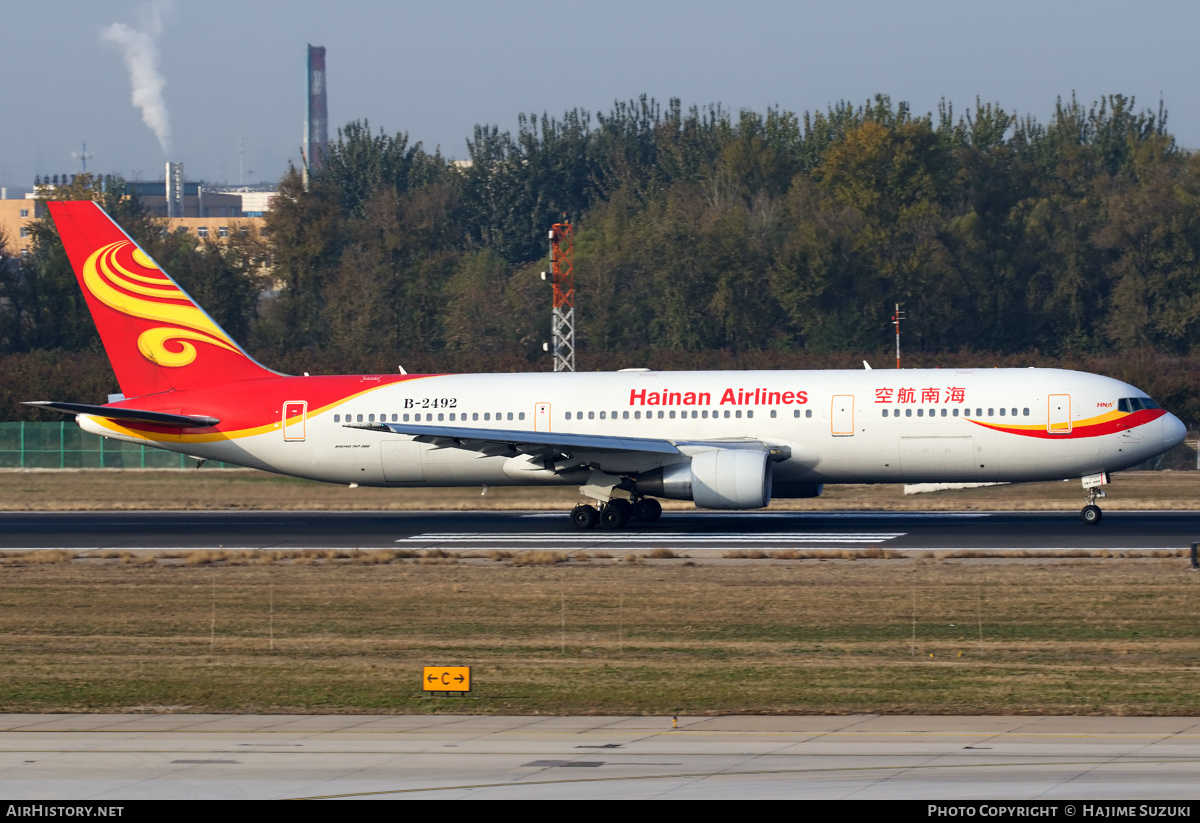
(177, 421)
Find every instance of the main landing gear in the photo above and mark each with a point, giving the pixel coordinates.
(616, 513)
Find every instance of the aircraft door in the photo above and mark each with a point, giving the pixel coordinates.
(1058, 414)
(841, 417)
(541, 417)
(294, 414)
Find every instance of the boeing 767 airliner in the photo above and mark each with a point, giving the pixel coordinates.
(725, 440)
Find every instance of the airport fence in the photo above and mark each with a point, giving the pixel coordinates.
(64, 445)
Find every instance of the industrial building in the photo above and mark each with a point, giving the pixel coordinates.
(187, 207)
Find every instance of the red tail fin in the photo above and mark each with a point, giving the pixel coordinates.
(156, 337)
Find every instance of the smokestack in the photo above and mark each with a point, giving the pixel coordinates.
(316, 135)
(174, 190)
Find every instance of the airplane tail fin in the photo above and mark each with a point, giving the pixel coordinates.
(155, 335)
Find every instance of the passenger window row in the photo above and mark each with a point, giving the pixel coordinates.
(696, 414)
(416, 418)
(954, 412)
(500, 416)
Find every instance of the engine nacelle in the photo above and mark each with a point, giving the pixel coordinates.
(718, 479)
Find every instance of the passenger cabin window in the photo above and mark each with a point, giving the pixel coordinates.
(337, 418)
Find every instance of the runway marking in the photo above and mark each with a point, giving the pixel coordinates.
(821, 514)
(710, 540)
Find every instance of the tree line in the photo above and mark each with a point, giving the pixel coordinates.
(703, 239)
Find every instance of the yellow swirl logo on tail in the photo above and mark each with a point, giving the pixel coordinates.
(124, 278)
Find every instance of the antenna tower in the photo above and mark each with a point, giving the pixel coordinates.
(896, 318)
(562, 276)
(83, 156)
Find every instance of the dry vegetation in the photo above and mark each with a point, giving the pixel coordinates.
(349, 631)
(247, 489)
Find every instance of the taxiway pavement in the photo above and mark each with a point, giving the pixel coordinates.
(125, 757)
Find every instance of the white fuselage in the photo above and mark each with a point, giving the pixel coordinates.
(869, 426)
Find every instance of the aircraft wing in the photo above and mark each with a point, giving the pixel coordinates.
(180, 421)
(512, 441)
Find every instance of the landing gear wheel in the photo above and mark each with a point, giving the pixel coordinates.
(647, 510)
(1091, 514)
(584, 517)
(624, 505)
(614, 516)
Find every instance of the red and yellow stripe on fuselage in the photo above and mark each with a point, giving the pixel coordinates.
(245, 409)
(1111, 422)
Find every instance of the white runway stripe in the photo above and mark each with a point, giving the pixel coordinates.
(760, 539)
(823, 515)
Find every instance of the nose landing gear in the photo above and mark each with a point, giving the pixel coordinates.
(1093, 484)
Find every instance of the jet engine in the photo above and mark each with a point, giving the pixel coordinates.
(718, 479)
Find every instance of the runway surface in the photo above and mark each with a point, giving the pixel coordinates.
(693, 532)
(126, 757)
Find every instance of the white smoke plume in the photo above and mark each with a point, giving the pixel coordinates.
(140, 51)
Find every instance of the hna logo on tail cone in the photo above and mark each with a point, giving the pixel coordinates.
(125, 279)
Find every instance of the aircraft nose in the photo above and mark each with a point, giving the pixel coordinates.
(1173, 431)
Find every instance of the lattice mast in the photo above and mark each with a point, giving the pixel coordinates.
(562, 277)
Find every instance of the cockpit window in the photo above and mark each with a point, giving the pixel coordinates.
(1132, 404)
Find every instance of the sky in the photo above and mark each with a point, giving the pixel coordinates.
(232, 72)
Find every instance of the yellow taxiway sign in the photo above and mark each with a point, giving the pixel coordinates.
(446, 678)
